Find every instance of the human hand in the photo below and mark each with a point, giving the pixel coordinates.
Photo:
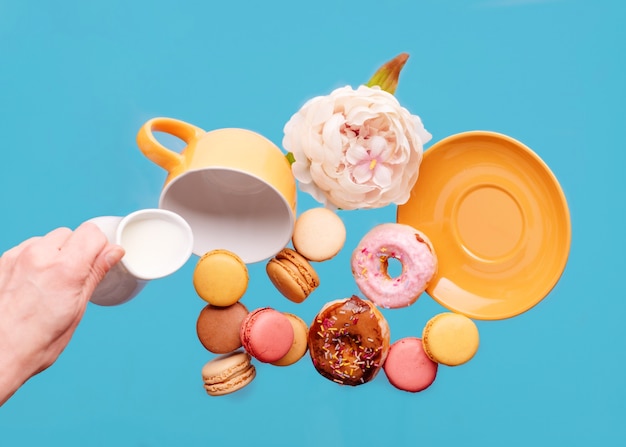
(45, 284)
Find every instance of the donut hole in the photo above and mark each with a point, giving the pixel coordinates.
(392, 267)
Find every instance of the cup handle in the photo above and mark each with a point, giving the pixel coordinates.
(155, 151)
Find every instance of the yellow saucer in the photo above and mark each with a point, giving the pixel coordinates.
(498, 220)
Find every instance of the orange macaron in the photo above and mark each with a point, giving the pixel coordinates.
(292, 275)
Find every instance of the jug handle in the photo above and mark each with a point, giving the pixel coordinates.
(155, 151)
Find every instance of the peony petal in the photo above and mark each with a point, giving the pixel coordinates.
(362, 173)
(291, 132)
(346, 141)
(334, 169)
(377, 124)
(375, 93)
(301, 171)
(342, 91)
(339, 201)
(319, 111)
(423, 134)
(349, 196)
(310, 143)
(349, 102)
(356, 154)
(384, 109)
(382, 176)
(331, 134)
(314, 191)
(358, 115)
(356, 148)
(321, 179)
(348, 186)
(378, 147)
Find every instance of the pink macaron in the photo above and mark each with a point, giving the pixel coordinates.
(407, 366)
(266, 334)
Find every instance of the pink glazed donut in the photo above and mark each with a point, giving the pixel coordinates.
(370, 259)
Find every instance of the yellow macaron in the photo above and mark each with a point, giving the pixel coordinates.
(450, 339)
(220, 277)
(300, 344)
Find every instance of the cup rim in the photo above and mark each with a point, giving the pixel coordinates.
(172, 217)
(291, 210)
(179, 177)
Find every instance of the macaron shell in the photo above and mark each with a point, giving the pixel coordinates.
(286, 281)
(319, 234)
(234, 383)
(218, 327)
(267, 334)
(408, 367)
(220, 277)
(299, 345)
(292, 275)
(228, 373)
(300, 266)
(450, 339)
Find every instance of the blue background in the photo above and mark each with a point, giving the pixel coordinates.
(77, 80)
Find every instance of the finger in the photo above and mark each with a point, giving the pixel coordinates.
(9, 258)
(85, 244)
(56, 238)
(103, 263)
(14, 251)
(110, 256)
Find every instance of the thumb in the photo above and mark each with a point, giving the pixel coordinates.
(105, 261)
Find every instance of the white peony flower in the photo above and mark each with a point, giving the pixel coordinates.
(356, 148)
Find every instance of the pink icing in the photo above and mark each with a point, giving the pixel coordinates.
(370, 261)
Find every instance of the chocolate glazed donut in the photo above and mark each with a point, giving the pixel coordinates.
(349, 341)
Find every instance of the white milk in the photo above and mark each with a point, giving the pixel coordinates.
(154, 247)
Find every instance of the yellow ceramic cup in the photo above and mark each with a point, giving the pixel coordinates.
(234, 187)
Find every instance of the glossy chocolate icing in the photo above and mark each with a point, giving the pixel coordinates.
(349, 341)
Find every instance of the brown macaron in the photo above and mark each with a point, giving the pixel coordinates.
(292, 275)
(218, 327)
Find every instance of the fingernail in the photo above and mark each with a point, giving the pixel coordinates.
(114, 255)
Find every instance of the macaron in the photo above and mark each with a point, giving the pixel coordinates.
(319, 234)
(292, 275)
(450, 339)
(218, 327)
(407, 366)
(266, 334)
(299, 345)
(228, 373)
(220, 277)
